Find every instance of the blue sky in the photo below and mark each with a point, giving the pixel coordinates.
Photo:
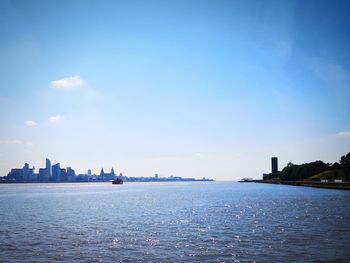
(183, 88)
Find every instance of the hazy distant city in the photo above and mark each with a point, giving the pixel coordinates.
(56, 174)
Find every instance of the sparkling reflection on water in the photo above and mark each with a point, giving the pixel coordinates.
(172, 222)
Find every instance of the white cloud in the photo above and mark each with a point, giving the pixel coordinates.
(56, 119)
(31, 123)
(345, 134)
(10, 142)
(67, 83)
(17, 142)
(29, 144)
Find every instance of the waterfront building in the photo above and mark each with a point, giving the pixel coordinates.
(112, 174)
(82, 178)
(56, 172)
(274, 165)
(33, 177)
(107, 176)
(48, 169)
(22, 174)
(64, 176)
(16, 174)
(42, 176)
(70, 175)
(26, 172)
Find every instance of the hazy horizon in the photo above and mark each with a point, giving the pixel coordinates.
(185, 88)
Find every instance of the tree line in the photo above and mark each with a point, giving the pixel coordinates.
(314, 171)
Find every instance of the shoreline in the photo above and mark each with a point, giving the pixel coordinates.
(328, 185)
(159, 181)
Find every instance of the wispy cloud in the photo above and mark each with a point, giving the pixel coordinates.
(10, 141)
(31, 123)
(344, 134)
(56, 118)
(68, 82)
(17, 142)
(29, 144)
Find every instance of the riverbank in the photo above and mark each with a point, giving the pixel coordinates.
(329, 185)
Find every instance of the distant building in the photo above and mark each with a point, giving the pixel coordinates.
(33, 177)
(22, 174)
(107, 176)
(274, 165)
(48, 168)
(70, 175)
(82, 178)
(16, 174)
(26, 172)
(56, 172)
(64, 176)
(42, 176)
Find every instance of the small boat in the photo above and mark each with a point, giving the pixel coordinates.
(117, 181)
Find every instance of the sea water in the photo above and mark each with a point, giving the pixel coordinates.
(173, 222)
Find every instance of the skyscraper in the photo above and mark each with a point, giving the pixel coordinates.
(274, 165)
(56, 172)
(48, 168)
(26, 172)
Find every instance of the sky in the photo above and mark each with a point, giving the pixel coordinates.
(185, 88)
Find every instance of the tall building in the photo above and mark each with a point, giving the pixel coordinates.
(26, 172)
(64, 176)
(56, 172)
(48, 168)
(70, 175)
(70, 171)
(274, 165)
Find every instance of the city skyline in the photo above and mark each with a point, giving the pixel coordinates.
(48, 166)
(57, 174)
(193, 88)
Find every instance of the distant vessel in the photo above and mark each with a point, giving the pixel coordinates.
(246, 180)
(117, 181)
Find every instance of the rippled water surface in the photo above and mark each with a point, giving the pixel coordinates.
(173, 222)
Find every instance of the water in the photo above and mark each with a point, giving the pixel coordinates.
(173, 222)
